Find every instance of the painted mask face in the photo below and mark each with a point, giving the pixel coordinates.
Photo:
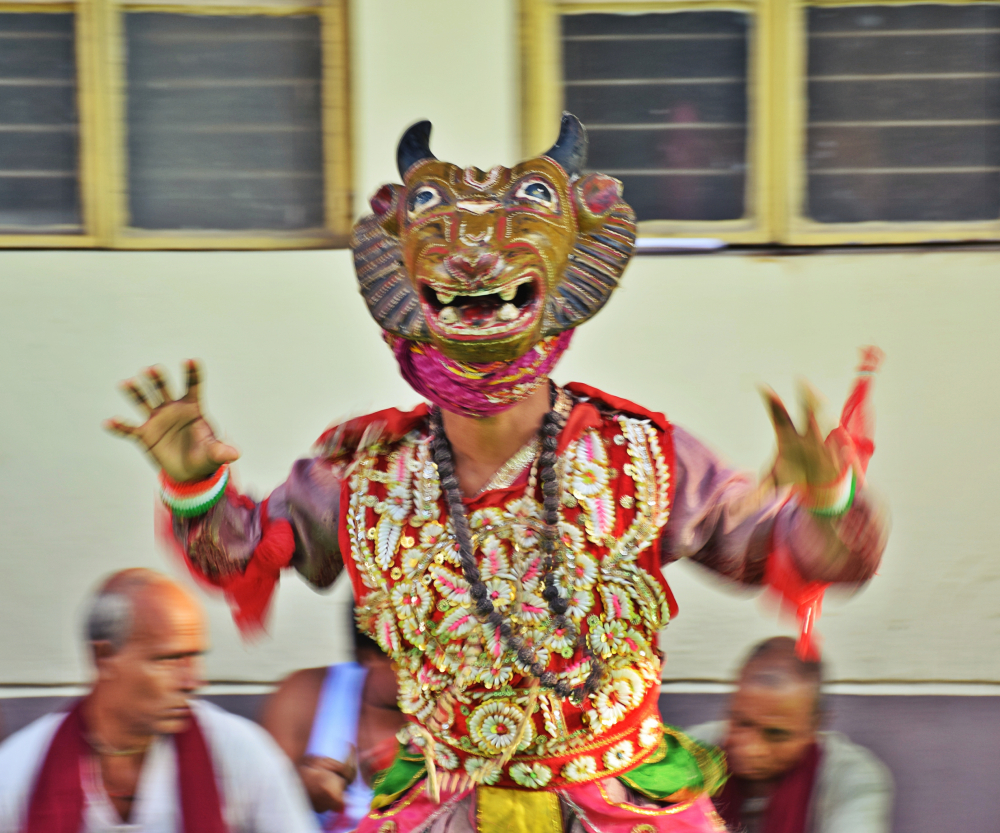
(484, 265)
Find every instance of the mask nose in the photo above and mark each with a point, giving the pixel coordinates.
(478, 206)
(472, 268)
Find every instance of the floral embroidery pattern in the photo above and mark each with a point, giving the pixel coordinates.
(580, 769)
(493, 726)
(588, 483)
(650, 732)
(619, 755)
(612, 702)
(533, 776)
(445, 758)
(474, 767)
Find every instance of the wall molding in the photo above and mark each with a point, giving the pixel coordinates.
(869, 689)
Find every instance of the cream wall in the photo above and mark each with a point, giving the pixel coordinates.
(289, 347)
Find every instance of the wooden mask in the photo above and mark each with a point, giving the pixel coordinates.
(484, 265)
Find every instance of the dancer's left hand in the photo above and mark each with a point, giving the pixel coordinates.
(806, 458)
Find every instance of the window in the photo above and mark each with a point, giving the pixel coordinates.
(780, 120)
(39, 124)
(184, 125)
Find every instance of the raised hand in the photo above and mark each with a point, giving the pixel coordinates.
(176, 434)
(804, 459)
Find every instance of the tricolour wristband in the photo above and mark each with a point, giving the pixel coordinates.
(188, 500)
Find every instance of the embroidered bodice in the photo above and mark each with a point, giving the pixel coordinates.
(615, 493)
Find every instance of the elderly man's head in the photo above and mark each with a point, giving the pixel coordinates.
(775, 711)
(147, 636)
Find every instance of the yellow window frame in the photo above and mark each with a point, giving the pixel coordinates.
(777, 125)
(798, 229)
(101, 96)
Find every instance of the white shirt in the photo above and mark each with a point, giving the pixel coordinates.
(335, 733)
(258, 787)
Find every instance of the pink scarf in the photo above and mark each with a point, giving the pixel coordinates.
(476, 390)
(58, 801)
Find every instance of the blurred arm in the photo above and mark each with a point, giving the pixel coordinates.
(224, 540)
(288, 717)
(725, 520)
(241, 545)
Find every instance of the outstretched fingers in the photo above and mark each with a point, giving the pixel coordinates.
(154, 377)
(137, 395)
(119, 428)
(811, 407)
(192, 392)
(780, 418)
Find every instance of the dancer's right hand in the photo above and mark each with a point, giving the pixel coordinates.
(175, 434)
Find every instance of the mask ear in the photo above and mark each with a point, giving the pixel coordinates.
(596, 195)
(385, 206)
(382, 279)
(603, 249)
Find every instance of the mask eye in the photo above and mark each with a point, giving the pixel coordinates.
(537, 192)
(424, 198)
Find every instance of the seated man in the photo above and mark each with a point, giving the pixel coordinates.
(339, 725)
(786, 776)
(138, 752)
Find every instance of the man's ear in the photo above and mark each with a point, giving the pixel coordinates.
(105, 659)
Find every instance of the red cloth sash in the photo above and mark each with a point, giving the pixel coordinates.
(788, 808)
(58, 801)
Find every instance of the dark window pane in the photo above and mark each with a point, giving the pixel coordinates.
(664, 99)
(39, 129)
(224, 122)
(904, 113)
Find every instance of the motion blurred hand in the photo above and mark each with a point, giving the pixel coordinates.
(175, 434)
(804, 459)
(326, 779)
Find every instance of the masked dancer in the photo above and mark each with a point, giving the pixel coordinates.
(505, 541)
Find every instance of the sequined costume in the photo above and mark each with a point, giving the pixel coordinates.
(487, 747)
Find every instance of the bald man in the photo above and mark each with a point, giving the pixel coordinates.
(138, 752)
(787, 776)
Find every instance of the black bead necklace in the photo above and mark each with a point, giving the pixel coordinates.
(552, 424)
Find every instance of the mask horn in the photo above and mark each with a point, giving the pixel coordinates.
(570, 149)
(414, 146)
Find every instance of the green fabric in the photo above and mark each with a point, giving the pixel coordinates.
(680, 767)
(405, 771)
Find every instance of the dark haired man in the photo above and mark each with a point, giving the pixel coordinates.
(338, 724)
(787, 776)
(138, 752)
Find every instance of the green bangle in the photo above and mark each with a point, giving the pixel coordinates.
(838, 510)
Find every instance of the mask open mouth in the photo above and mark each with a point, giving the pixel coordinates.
(485, 314)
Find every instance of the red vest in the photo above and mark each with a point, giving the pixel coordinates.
(615, 476)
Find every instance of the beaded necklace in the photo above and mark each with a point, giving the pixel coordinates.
(552, 424)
